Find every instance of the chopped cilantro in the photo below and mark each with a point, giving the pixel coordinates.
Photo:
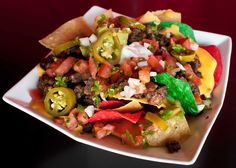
(148, 132)
(130, 136)
(111, 91)
(177, 48)
(97, 101)
(80, 108)
(114, 69)
(166, 114)
(60, 81)
(145, 143)
(96, 88)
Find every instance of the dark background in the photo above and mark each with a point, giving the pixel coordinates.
(27, 142)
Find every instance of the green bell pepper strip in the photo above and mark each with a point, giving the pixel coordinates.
(185, 29)
(59, 101)
(178, 90)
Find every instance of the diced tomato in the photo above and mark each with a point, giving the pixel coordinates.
(173, 40)
(129, 133)
(105, 70)
(185, 42)
(35, 94)
(154, 62)
(215, 53)
(92, 68)
(197, 98)
(81, 66)
(65, 66)
(101, 130)
(171, 61)
(191, 75)
(59, 120)
(52, 68)
(115, 76)
(72, 122)
(108, 115)
(126, 69)
(144, 74)
(82, 118)
(132, 63)
(110, 104)
(154, 45)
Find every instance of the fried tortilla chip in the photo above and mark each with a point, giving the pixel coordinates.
(143, 100)
(130, 107)
(76, 27)
(149, 17)
(102, 17)
(168, 15)
(178, 129)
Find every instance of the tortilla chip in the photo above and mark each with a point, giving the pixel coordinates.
(107, 14)
(143, 100)
(130, 107)
(178, 130)
(76, 27)
(168, 15)
(149, 17)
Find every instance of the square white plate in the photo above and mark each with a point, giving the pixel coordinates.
(18, 96)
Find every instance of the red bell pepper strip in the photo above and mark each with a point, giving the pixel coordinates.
(215, 53)
(110, 104)
(108, 115)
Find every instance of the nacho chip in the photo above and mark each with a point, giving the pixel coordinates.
(102, 17)
(76, 27)
(149, 17)
(130, 107)
(143, 100)
(178, 130)
(168, 15)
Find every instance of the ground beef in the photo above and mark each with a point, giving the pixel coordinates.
(88, 127)
(46, 61)
(45, 82)
(79, 91)
(136, 35)
(156, 97)
(173, 146)
(88, 85)
(194, 87)
(138, 96)
(73, 51)
(195, 64)
(75, 78)
(151, 86)
(87, 100)
(149, 33)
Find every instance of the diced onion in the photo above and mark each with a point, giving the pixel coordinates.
(142, 63)
(89, 110)
(84, 41)
(146, 45)
(93, 38)
(181, 67)
(194, 46)
(200, 107)
(163, 63)
(153, 73)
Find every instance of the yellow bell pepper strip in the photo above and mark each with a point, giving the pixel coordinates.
(185, 29)
(178, 90)
(65, 46)
(207, 69)
(156, 120)
(59, 101)
(128, 22)
(182, 54)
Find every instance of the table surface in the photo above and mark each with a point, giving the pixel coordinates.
(30, 143)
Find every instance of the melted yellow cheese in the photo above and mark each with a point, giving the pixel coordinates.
(207, 69)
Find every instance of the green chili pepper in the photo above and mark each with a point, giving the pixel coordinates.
(59, 101)
(128, 22)
(178, 90)
(108, 47)
(185, 29)
(65, 46)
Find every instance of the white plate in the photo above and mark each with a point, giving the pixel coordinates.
(18, 96)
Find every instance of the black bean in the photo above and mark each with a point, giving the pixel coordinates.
(173, 146)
